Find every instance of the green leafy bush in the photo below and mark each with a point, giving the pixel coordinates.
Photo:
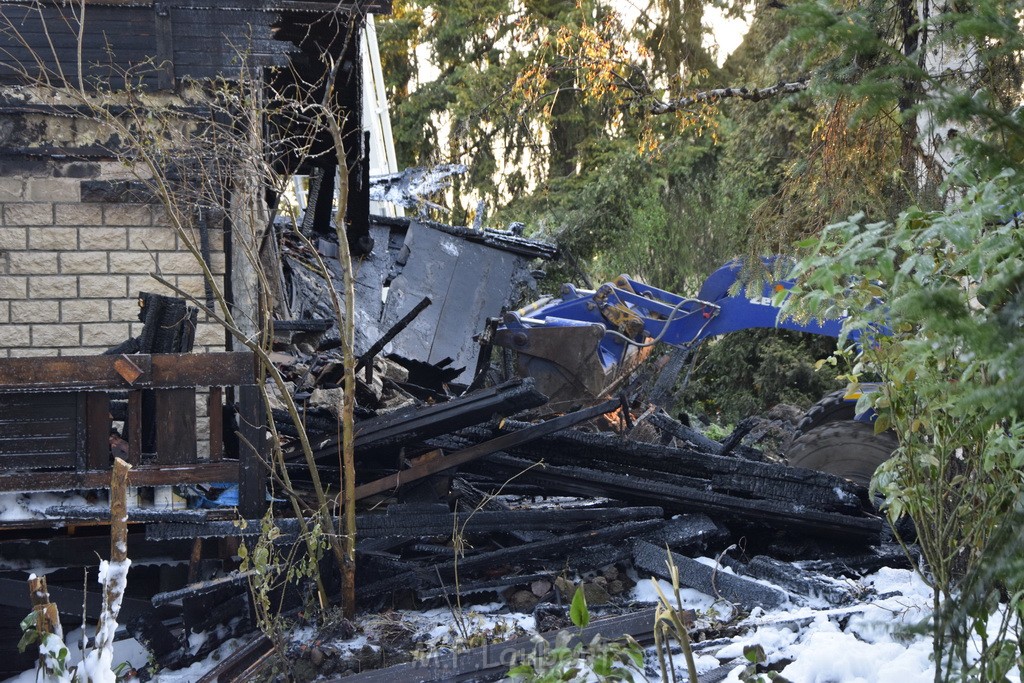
(953, 367)
(607, 660)
(746, 373)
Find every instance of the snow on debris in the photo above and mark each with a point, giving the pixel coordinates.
(98, 662)
(18, 507)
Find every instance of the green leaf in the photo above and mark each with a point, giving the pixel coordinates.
(753, 653)
(621, 674)
(524, 670)
(29, 622)
(578, 612)
(602, 666)
(28, 638)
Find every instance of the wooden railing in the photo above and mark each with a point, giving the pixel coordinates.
(55, 422)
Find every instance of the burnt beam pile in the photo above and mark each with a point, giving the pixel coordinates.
(580, 463)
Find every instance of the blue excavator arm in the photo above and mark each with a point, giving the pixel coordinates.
(576, 345)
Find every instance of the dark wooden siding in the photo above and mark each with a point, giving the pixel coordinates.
(40, 431)
(160, 42)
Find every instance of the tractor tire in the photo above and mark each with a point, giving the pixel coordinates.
(832, 408)
(846, 448)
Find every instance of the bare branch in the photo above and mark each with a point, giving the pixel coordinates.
(743, 93)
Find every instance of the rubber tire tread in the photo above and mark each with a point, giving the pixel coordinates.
(832, 408)
(849, 449)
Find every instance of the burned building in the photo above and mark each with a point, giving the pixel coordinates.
(81, 230)
(85, 227)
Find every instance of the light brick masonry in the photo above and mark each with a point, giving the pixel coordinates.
(70, 272)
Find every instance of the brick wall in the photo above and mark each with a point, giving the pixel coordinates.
(71, 270)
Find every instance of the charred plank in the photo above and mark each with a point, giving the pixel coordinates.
(385, 432)
(728, 475)
(508, 440)
(796, 580)
(581, 481)
(649, 558)
(139, 514)
(470, 587)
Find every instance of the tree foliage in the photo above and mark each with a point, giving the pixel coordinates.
(951, 282)
(748, 372)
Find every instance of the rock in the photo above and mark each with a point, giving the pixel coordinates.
(305, 378)
(274, 395)
(565, 587)
(331, 399)
(523, 601)
(540, 587)
(595, 594)
(394, 371)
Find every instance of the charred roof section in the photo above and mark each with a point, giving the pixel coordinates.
(159, 43)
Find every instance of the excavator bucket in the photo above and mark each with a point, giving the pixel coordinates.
(563, 361)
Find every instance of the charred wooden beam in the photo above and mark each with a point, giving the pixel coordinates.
(689, 532)
(139, 514)
(792, 514)
(796, 580)
(68, 372)
(466, 455)
(415, 522)
(100, 373)
(69, 600)
(201, 588)
(649, 558)
(421, 525)
(81, 550)
(732, 476)
(470, 587)
(144, 475)
(692, 437)
(420, 423)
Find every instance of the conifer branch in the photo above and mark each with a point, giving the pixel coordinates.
(744, 93)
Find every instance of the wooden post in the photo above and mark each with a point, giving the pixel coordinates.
(119, 511)
(47, 618)
(97, 406)
(215, 417)
(114, 588)
(252, 454)
(134, 427)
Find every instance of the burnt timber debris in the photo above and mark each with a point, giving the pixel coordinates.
(531, 502)
(436, 461)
